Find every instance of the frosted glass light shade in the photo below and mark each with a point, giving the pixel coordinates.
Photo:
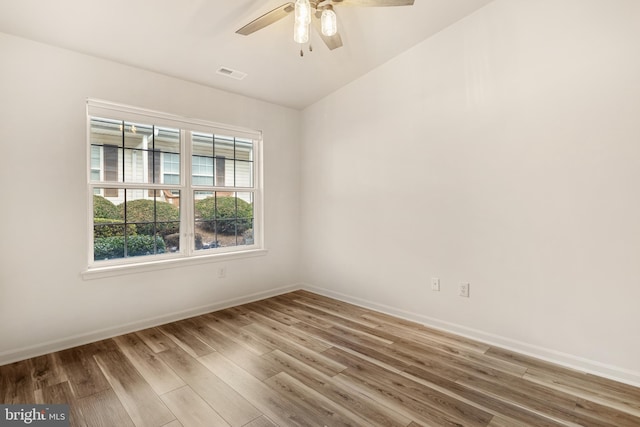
(329, 22)
(301, 32)
(302, 12)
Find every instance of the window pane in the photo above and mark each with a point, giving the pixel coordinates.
(220, 170)
(224, 161)
(167, 140)
(245, 218)
(244, 173)
(202, 159)
(112, 160)
(244, 149)
(105, 132)
(224, 146)
(202, 144)
(138, 152)
(223, 219)
(144, 147)
(244, 163)
(106, 135)
(107, 207)
(95, 158)
(202, 170)
(152, 214)
(137, 166)
(221, 161)
(167, 148)
(205, 226)
(138, 136)
(171, 168)
(108, 225)
(136, 222)
(171, 179)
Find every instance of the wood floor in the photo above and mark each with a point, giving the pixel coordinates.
(301, 359)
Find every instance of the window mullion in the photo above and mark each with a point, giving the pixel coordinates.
(258, 193)
(186, 200)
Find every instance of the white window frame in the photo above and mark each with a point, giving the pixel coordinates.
(187, 253)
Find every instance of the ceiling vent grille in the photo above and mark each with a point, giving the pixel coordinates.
(234, 74)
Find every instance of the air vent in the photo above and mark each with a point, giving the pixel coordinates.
(238, 75)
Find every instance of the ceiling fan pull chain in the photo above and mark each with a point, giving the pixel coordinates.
(301, 52)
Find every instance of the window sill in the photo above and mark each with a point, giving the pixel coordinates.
(118, 270)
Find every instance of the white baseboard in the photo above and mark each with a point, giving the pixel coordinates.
(15, 355)
(567, 360)
(549, 355)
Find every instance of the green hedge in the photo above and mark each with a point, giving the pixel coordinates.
(103, 208)
(141, 212)
(105, 227)
(225, 215)
(113, 247)
(173, 241)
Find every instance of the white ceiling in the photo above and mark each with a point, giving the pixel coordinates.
(191, 39)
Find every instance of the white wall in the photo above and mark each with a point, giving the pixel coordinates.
(504, 151)
(44, 303)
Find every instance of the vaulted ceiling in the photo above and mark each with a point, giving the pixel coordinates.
(192, 39)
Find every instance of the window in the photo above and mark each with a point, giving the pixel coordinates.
(165, 187)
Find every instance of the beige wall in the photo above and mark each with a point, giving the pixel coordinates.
(504, 152)
(514, 166)
(44, 303)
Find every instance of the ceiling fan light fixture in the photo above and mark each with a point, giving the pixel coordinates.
(324, 18)
(301, 32)
(302, 12)
(329, 22)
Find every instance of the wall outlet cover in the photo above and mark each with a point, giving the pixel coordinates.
(464, 290)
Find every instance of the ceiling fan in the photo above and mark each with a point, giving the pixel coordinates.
(318, 13)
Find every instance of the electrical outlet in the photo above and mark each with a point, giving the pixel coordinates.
(464, 290)
(222, 272)
(435, 284)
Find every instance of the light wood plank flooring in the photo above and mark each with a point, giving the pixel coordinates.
(302, 359)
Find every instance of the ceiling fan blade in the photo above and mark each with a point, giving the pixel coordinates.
(374, 3)
(267, 19)
(332, 42)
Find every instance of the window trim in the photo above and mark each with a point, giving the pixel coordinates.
(187, 254)
(158, 264)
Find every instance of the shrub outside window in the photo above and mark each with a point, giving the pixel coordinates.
(164, 187)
